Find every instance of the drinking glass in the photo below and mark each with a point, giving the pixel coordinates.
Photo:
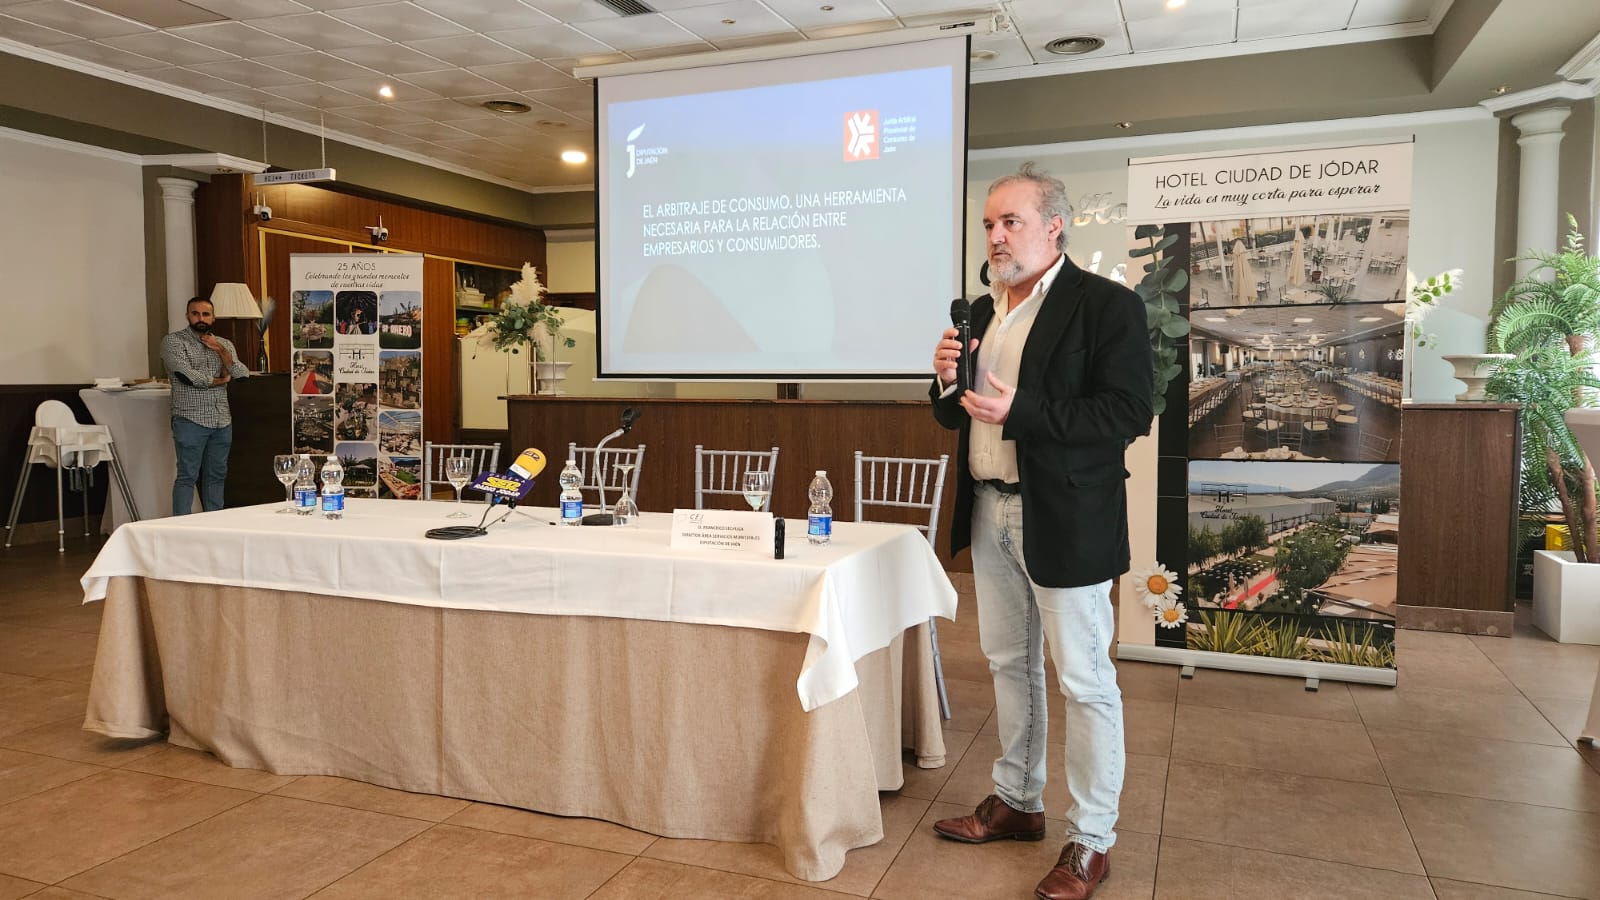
(458, 471)
(626, 512)
(757, 488)
(286, 466)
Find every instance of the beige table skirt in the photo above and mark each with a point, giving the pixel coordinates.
(675, 729)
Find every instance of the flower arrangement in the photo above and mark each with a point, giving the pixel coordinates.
(513, 324)
(1422, 297)
(1158, 587)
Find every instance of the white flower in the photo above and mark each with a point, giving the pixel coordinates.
(1156, 585)
(1422, 297)
(1171, 614)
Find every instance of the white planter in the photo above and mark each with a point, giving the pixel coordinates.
(1473, 370)
(550, 375)
(1566, 597)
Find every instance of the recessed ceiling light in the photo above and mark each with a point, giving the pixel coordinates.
(574, 156)
(1501, 89)
(1303, 321)
(550, 123)
(729, 21)
(1217, 319)
(826, 7)
(983, 55)
(1075, 45)
(1370, 319)
(386, 92)
(1124, 125)
(507, 107)
(1175, 4)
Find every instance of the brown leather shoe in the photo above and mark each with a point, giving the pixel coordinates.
(1077, 874)
(993, 820)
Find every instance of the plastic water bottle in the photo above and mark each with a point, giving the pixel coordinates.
(571, 497)
(332, 488)
(819, 521)
(305, 486)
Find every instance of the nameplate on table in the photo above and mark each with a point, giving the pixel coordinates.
(722, 529)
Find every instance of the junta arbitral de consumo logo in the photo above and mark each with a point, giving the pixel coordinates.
(641, 156)
(860, 135)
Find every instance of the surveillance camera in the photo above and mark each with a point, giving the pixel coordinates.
(263, 212)
(380, 234)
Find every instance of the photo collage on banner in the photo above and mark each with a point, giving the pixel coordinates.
(1289, 269)
(356, 368)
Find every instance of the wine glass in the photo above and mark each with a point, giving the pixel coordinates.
(625, 512)
(458, 471)
(286, 467)
(757, 488)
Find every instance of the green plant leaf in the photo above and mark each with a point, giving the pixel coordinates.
(1178, 280)
(1137, 252)
(1176, 327)
(1145, 232)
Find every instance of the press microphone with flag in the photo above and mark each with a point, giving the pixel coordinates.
(506, 487)
(961, 318)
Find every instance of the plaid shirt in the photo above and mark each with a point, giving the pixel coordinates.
(191, 365)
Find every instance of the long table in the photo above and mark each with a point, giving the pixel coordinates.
(586, 672)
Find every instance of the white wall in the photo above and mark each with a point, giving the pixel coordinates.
(72, 280)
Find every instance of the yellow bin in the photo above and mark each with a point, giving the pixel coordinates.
(1557, 537)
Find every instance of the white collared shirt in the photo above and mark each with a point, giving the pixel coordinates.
(1000, 351)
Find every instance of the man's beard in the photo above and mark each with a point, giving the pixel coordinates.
(200, 327)
(1005, 270)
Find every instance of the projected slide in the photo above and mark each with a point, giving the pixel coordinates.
(788, 229)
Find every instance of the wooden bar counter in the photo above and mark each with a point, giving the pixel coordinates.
(811, 435)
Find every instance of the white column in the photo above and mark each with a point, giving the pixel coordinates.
(1538, 218)
(177, 212)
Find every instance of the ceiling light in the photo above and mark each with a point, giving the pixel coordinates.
(826, 7)
(574, 156)
(1217, 319)
(1124, 125)
(386, 92)
(983, 55)
(1176, 4)
(1075, 45)
(729, 21)
(1303, 321)
(550, 123)
(1370, 319)
(507, 107)
(1501, 89)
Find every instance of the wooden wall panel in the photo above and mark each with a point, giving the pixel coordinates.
(811, 435)
(439, 378)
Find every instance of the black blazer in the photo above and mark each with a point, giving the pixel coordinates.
(1083, 395)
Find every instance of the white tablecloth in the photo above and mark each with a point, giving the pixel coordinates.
(852, 596)
(141, 424)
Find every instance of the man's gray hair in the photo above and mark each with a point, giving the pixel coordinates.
(1052, 196)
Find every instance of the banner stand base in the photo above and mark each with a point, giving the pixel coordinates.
(1312, 672)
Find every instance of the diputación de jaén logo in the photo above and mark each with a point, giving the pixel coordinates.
(860, 135)
(641, 156)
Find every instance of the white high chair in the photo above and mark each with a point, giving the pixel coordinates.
(60, 441)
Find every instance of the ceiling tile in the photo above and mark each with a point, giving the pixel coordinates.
(1181, 31)
(238, 38)
(443, 110)
(499, 127)
(1077, 13)
(1036, 39)
(433, 131)
(109, 56)
(259, 100)
(767, 39)
(1008, 50)
(488, 15)
(1390, 12)
(331, 5)
(526, 76)
(74, 19)
(250, 9)
(249, 73)
(749, 18)
(550, 40)
(155, 13)
(168, 47)
(400, 22)
(943, 8)
(320, 95)
(573, 100)
(808, 14)
(1157, 9)
(453, 83)
(477, 146)
(1286, 19)
(573, 10)
(638, 32)
(363, 87)
(387, 116)
(319, 30)
(194, 81)
(568, 63)
(392, 59)
(34, 35)
(468, 50)
(320, 66)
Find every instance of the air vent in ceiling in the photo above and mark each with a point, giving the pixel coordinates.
(627, 7)
(1073, 46)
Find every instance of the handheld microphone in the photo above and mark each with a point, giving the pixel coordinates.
(528, 464)
(961, 318)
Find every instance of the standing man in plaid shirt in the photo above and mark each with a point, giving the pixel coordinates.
(200, 365)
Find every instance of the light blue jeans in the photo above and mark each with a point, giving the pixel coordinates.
(1015, 616)
(202, 454)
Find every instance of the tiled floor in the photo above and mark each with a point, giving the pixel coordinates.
(1461, 783)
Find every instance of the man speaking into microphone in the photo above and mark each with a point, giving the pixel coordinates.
(1062, 376)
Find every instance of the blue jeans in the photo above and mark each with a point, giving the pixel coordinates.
(202, 454)
(1015, 616)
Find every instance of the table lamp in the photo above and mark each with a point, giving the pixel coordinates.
(231, 300)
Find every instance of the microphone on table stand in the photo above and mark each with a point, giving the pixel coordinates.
(506, 487)
(630, 415)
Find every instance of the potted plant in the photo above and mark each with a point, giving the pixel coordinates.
(516, 322)
(1548, 321)
(1318, 256)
